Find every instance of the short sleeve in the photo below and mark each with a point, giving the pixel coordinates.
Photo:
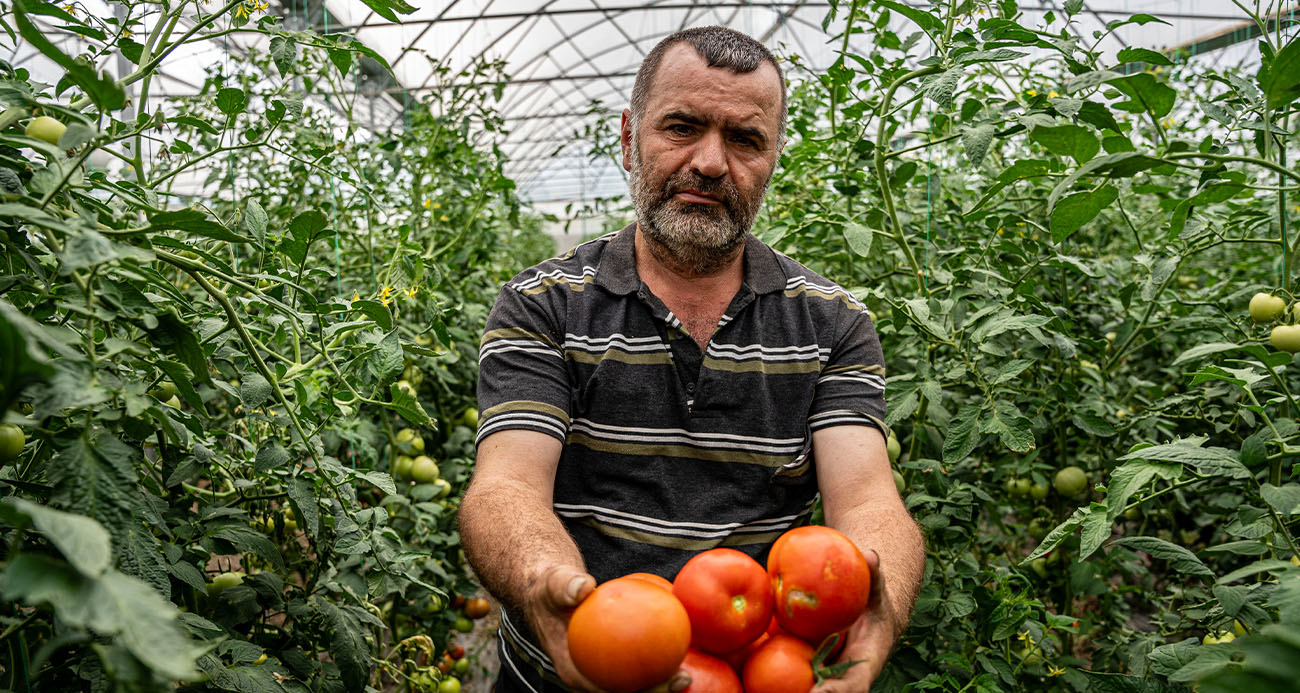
(851, 387)
(523, 381)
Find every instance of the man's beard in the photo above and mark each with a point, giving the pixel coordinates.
(699, 238)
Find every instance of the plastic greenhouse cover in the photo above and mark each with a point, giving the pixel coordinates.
(569, 64)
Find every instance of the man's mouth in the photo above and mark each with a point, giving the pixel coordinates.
(696, 197)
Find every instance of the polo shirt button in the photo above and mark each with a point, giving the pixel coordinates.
(690, 387)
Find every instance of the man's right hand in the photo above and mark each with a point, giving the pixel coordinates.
(552, 599)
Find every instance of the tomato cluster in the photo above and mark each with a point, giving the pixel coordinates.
(725, 619)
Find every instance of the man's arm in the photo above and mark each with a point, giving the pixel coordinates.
(517, 545)
(860, 500)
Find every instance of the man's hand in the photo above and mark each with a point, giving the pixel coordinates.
(554, 596)
(869, 640)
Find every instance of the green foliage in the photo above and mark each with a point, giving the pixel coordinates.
(280, 272)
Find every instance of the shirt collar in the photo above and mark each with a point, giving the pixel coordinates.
(617, 269)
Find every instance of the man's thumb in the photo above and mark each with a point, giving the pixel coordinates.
(567, 587)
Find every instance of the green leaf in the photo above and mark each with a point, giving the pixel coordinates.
(82, 541)
(976, 142)
(255, 220)
(1179, 558)
(1020, 170)
(342, 59)
(929, 23)
(388, 9)
(95, 477)
(271, 455)
(1203, 350)
(375, 311)
(1213, 461)
(173, 335)
(232, 100)
(284, 53)
(1089, 80)
(1006, 422)
(1072, 7)
(941, 88)
(1133, 54)
(195, 222)
(1078, 209)
(387, 362)
(1284, 499)
(181, 378)
(302, 495)
(859, 237)
(113, 605)
(1146, 94)
(1132, 477)
(303, 231)
(1279, 78)
(406, 406)
(245, 538)
(347, 644)
(962, 435)
(1006, 321)
(22, 366)
(254, 390)
(101, 88)
(1074, 141)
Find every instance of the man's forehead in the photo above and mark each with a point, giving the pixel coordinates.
(683, 71)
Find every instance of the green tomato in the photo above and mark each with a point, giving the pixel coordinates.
(12, 440)
(469, 417)
(1038, 492)
(434, 605)
(893, 447)
(1039, 566)
(166, 390)
(461, 667)
(463, 624)
(899, 482)
(409, 442)
(402, 467)
(1039, 527)
(47, 129)
(1134, 513)
(451, 684)
(1022, 487)
(424, 470)
(444, 488)
(224, 581)
(1266, 307)
(174, 402)
(1071, 482)
(1285, 338)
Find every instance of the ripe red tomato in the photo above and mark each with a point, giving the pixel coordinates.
(820, 579)
(728, 597)
(738, 658)
(651, 578)
(629, 635)
(477, 608)
(709, 674)
(782, 665)
(455, 652)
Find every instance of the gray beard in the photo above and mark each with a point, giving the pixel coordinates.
(698, 239)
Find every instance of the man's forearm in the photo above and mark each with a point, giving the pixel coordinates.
(895, 537)
(510, 538)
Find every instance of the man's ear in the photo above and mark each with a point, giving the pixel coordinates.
(625, 138)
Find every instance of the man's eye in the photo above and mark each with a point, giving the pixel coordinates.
(745, 142)
(680, 129)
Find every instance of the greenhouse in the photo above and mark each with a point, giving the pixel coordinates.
(889, 345)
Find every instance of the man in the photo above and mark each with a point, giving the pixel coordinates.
(667, 389)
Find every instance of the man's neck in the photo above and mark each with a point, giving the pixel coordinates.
(664, 273)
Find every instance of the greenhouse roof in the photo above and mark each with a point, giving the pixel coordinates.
(569, 64)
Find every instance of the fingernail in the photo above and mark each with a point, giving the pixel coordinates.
(575, 586)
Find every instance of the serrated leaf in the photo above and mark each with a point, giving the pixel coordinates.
(1212, 461)
(1202, 350)
(1074, 141)
(1014, 429)
(271, 455)
(1071, 213)
(1130, 478)
(82, 541)
(1279, 78)
(406, 406)
(195, 222)
(962, 435)
(302, 496)
(255, 220)
(1133, 54)
(1284, 499)
(1179, 558)
(941, 88)
(231, 100)
(347, 644)
(1089, 80)
(254, 390)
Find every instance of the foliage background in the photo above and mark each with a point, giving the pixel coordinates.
(1057, 250)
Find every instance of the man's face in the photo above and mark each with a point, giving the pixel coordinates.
(702, 155)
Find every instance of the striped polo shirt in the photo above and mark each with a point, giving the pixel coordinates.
(669, 451)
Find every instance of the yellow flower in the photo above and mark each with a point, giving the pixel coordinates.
(384, 301)
(443, 218)
(426, 203)
(240, 11)
(410, 293)
(1031, 93)
(437, 205)
(385, 293)
(70, 9)
(1001, 232)
(1054, 671)
(1024, 637)
(356, 297)
(1159, 70)
(1052, 94)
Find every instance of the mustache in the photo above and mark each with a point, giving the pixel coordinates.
(723, 190)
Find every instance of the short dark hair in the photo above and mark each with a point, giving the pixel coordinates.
(721, 47)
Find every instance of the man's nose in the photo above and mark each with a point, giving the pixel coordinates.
(709, 158)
